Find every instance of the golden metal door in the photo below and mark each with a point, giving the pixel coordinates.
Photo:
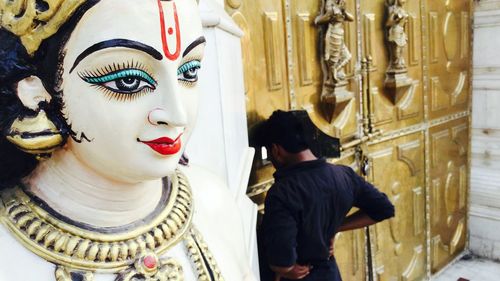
(401, 111)
(449, 76)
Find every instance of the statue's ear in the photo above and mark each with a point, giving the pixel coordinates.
(31, 92)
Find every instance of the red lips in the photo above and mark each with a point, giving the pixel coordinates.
(165, 145)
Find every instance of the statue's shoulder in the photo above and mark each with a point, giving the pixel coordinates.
(212, 198)
(218, 218)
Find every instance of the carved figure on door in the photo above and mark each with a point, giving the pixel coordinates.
(336, 53)
(396, 35)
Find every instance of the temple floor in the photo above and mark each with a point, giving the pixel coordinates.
(471, 268)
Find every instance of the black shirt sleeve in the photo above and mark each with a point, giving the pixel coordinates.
(369, 199)
(279, 229)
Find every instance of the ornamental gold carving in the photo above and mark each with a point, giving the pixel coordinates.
(397, 80)
(74, 247)
(396, 35)
(149, 267)
(66, 274)
(200, 256)
(336, 55)
(35, 135)
(34, 22)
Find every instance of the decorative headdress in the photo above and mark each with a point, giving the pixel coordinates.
(35, 20)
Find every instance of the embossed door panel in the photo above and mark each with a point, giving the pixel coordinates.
(448, 42)
(449, 144)
(350, 254)
(350, 245)
(264, 56)
(398, 244)
(340, 120)
(401, 107)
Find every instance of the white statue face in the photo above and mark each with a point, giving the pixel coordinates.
(129, 85)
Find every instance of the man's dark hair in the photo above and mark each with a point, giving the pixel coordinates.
(282, 128)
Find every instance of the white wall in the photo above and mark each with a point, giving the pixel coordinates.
(485, 170)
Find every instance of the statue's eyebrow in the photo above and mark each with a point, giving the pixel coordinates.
(193, 45)
(113, 43)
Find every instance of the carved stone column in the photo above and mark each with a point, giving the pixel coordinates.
(220, 140)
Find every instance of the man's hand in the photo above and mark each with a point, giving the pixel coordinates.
(295, 272)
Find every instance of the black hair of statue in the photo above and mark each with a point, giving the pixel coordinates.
(15, 65)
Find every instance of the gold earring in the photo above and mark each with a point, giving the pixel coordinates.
(35, 135)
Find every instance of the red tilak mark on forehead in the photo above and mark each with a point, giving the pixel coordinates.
(166, 49)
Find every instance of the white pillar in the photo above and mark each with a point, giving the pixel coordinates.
(220, 140)
(485, 170)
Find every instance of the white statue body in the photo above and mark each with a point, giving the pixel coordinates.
(222, 232)
(128, 82)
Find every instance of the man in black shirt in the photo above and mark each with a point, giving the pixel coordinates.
(308, 204)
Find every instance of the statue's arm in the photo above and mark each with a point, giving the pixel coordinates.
(323, 19)
(391, 19)
(348, 16)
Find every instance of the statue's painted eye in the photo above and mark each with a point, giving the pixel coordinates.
(127, 81)
(188, 72)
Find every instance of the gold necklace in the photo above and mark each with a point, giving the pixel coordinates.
(133, 255)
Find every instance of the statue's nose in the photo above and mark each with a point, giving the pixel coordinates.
(174, 117)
